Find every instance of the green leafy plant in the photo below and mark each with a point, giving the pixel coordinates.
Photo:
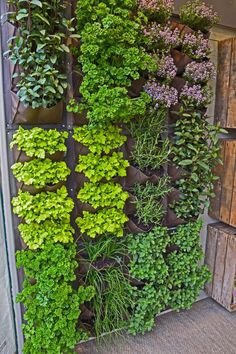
(186, 275)
(149, 264)
(38, 142)
(112, 299)
(111, 57)
(146, 305)
(151, 147)
(149, 200)
(40, 173)
(105, 221)
(196, 151)
(52, 306)
(103, 195)
(43, 206)
(50, 231)
(100, 140)
(97, 167)
(39, 49)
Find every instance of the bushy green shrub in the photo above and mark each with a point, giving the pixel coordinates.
(37, 142)
(40, 173)
(52, 306)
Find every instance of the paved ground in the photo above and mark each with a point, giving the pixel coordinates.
(207, 328)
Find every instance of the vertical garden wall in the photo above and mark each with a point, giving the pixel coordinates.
(112, 156)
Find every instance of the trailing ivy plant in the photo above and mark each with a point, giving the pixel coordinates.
(104, 221)
(40, 173)
(100, 140)
(149, 200)
(147, 264)
(50, 231)
(186, 276)
(39, 49)
(151, 149)
(43, 206)
(38, 142)
(52, 306)
(103, 195)
(97, 167)
(111, 57)
(196, 152)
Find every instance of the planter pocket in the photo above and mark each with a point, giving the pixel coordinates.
(33, 190)
(20, 156)
(28, 115)
(181, 60)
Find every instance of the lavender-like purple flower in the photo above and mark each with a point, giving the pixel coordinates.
(198, 73)
(196, 46)
(195, 95)
(160, 10)
(163, 38)
(162, 95)
(166, 68)
(197, 15)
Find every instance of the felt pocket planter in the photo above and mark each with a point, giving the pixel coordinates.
(181, 60)
(171, 219)
(175, 172)
(20, 156)
(80, 118)
(182, 28)
(32, 190)
(136, 87)
(29, 115)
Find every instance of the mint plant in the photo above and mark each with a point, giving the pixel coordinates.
(196, 151)
(147, 263)
(40, 173)
(38, 142)
(186, 276)
(43, 206)
(97, 167)
(52, 305)
(103, 195)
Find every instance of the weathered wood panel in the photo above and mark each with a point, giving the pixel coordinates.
(223, 205)
(221, 260)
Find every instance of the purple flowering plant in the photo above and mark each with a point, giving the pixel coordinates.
(195, 96)
(163, 95)
(197, 15)
(195, 45)
(200, 73)
(158, 10)
(161, 37)
(166, 67)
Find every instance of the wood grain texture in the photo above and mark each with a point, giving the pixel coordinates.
(210, 257)
(231, 114)
(229, 273)
(223, 81)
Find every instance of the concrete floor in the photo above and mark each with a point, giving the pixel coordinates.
(206, 328)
